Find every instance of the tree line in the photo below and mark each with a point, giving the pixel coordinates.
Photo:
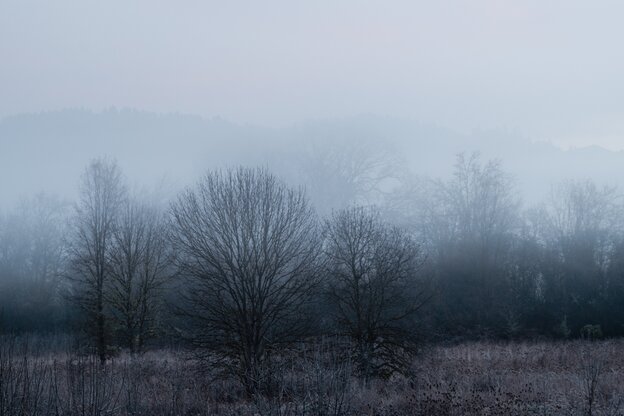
(242, 267)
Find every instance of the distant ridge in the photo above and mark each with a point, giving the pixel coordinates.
(47, 151)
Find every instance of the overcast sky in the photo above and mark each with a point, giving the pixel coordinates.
(548, 70)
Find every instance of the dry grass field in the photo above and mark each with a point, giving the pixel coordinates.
(479, 378)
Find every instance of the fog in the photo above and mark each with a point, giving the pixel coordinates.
(545, 71)
(47, 152)
(169, 87)
(359, 103)
(311, 208)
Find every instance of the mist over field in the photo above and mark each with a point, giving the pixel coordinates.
(311, 209)
(46, 152)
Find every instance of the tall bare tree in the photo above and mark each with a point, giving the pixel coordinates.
(469, 223)
(376, 287)
(249, 247)
(102, 193)
(31, 262)
(339, 172)
(139, 261)
(581, 219)
(579, 228)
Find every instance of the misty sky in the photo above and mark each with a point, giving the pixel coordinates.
(547, 70)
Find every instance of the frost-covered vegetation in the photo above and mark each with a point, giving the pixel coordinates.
(43, 376)
(240, 295)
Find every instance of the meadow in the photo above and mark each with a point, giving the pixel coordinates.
(43, 376)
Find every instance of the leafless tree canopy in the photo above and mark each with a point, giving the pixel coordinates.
(374, 282)
(102, 193)
(338, 173)
(469, 224)
(250, 248)
(140, 265)
(32, 262)
(252, 273)
(582, 219)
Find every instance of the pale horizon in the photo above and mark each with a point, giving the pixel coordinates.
(550, 72)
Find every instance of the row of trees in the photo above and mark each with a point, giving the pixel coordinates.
(241, 266)
(505, 271)
(260, 268)
(118, 260)
(31, 263)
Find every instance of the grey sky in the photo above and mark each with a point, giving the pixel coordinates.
(548, 70)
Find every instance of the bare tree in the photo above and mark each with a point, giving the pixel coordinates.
(581, 220)
(249, 247)
(31, 262)
(102, 193)
(338, 172)
(375, 285)
(580, 228)
(469, 223)
(139, 261)
(480, 207)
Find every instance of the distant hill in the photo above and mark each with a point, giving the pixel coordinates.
(47, 151)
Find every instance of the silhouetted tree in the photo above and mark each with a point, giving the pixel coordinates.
(140, 264)
(579, 229)
(32, 254)
(374, 283)
(102, 193)
(468, 224)
(250, 249)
